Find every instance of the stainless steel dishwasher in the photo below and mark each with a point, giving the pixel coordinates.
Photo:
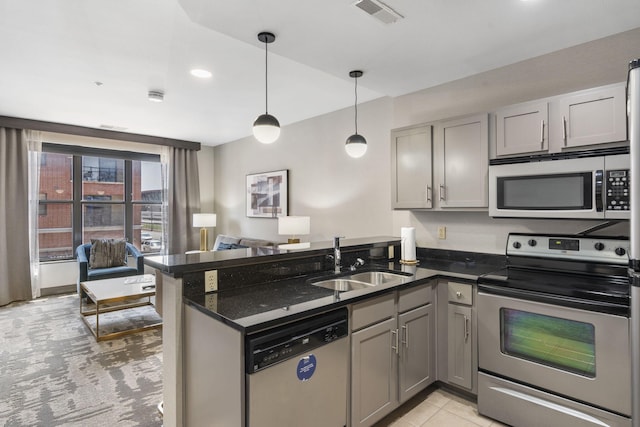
(297, 374)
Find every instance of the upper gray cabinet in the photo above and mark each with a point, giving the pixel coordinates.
(522, 128)
(563, 123)
(594, 116)
(441, 166)
(411, 168)
(462, 151)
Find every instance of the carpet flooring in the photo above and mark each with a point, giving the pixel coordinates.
(54, 373)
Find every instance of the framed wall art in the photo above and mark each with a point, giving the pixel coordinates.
(267, 194)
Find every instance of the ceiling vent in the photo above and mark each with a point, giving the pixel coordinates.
(379, 10)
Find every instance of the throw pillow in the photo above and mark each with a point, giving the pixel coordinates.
(107, 253)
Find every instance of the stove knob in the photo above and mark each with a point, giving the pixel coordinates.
(532, 242)
(599, 246)
(516, 245)
(621, 251)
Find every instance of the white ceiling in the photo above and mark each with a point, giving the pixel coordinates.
(54, 51)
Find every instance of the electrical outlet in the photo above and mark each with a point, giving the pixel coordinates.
(442, 232)
(211, 281)
(391, 254)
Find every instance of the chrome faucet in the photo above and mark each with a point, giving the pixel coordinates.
(336, 255)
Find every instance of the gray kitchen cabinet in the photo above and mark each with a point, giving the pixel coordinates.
(594, 116)
(522, 128)
(373, 373)
(411, 168)
(416, 350)
(447, 172)
(563, 123)
(462, 151)
(392, 357)
(457, 346)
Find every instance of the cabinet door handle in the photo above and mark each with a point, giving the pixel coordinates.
(405, 335)
(458, 294)
(443, 194)
(542, 134)
(394, 338)
(564, 130)
(466, 328)
(428, 193)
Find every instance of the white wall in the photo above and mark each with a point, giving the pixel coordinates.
(344, 196)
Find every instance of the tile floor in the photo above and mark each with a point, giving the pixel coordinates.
(437, 407)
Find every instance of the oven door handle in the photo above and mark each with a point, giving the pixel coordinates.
(561, 300)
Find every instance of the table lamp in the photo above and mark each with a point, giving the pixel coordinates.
(294, 226)
(204, 220)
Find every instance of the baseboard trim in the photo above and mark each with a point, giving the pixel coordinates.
(55, 290)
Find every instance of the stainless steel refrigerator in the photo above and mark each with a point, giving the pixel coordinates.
(633, 111)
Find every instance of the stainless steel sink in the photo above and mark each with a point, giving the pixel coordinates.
(342, 285)
(362, 280)
(378, 277)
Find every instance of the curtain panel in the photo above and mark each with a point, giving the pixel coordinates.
(15, 265)
(183, 200)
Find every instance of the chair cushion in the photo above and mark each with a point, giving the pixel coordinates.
(107, 253)
(108, 273)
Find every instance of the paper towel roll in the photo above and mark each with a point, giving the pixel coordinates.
(408, 244)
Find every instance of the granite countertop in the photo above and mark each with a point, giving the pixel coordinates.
(257, 307)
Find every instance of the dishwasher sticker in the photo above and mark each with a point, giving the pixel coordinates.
(306, 367)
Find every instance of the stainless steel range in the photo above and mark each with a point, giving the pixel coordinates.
(553, 333)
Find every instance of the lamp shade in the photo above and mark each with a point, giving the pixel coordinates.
(204, 220)
(294, 225)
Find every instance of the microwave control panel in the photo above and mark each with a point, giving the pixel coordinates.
(617, 190)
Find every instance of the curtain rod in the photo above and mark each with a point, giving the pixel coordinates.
(18, 123)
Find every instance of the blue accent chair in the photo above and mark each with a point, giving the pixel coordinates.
(83, 252)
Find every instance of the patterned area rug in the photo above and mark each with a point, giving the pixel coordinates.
(54, 373)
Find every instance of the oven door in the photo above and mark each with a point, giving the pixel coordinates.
(577, 354)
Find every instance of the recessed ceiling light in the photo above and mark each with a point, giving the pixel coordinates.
(201, 73)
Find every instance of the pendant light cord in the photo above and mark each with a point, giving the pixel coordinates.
(356, 105)
(266, 74)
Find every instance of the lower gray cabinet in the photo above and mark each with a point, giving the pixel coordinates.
(457, 354)
(459, 360)
(374, 375)
(392, 353)
(417, 351)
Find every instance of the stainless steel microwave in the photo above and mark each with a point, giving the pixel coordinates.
(582, 187)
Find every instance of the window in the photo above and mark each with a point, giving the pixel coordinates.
(89, 193)
(565, 344)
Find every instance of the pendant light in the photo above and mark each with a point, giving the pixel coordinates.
(266, 128)
(356, 145)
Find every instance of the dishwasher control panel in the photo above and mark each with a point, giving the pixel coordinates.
(276, 345)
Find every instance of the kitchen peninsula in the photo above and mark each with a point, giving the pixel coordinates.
(258, 289)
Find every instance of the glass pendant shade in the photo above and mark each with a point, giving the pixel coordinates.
(266, 128)
(356, 146)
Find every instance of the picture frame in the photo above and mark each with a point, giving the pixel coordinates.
(267, 194)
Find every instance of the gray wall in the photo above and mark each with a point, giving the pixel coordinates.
(351, 197)
(343, 196)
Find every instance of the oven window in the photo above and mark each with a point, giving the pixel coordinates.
(553, 341)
